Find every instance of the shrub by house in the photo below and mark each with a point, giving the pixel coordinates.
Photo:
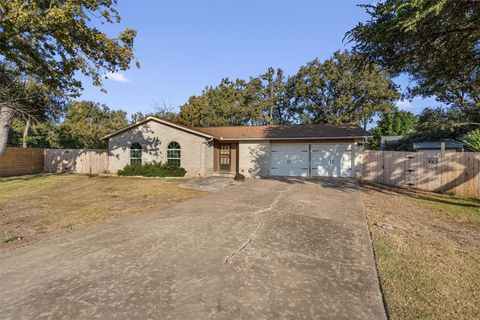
(152, 169)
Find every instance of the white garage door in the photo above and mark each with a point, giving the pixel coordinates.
(331, 160)
(289, 160)
(326, 160)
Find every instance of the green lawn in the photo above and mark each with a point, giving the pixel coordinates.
(21, 187)
(454, 208)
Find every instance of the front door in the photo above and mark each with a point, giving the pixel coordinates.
(225, 157)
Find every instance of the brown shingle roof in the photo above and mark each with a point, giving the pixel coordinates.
(347, 130)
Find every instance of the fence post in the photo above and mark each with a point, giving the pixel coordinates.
(14, 173)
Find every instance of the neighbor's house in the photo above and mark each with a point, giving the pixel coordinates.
(386, 140)
(255, 151)
(436, 146)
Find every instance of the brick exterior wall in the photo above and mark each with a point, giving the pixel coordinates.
(254, 158)
(358, 159)
(196, 154)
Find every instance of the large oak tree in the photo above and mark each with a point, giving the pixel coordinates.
(52, 41)
(436, 42)
(340, 89)
(337, 90)
(229, 103)
(86, 123)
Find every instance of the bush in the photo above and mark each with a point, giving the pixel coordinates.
(152, 169)
(472, 141)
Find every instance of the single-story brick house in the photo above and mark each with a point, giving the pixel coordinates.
(254, 151)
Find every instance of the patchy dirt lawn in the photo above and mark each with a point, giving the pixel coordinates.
(34, 207)
(211, 184)
(429, 263)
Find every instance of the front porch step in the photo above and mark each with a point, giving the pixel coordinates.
(223, 174)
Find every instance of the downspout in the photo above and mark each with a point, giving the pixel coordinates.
(208, 140)
(204, 153)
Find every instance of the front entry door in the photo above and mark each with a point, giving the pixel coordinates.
(225, 157)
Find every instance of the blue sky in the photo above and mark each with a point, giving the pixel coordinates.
(183, 46)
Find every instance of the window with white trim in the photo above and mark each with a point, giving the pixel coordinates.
(136, 153)
(173, 154)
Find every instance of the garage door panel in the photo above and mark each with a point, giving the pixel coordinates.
(326, 160)
(331, 160)
(289, 160)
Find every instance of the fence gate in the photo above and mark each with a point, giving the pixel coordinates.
(441, 172)
(86, 161)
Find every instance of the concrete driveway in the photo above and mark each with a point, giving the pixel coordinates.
(269, 249)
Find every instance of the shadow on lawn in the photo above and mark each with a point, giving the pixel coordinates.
(25, 178)
(422, 195)
(342, 184)
(41, 176)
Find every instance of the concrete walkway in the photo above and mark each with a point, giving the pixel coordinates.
(270, 249)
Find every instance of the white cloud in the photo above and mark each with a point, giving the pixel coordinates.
(116, 76)
(404, 104)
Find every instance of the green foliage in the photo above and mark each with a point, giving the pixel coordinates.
(229, 103)
(472, 141)
(83, 126)
(340, 90)
(435, 42)
(27, 97)
(42, 134)
(52, 41)
(45, 46)
(397, 123)
(138, 116)
(435, 124)
(87, 122)
(160, 111)
(270, 90)
(439, 119)
(337, 90)
(443, 123)
(33, 109)
(152, 169)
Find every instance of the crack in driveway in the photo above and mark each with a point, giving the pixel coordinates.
(260, 223)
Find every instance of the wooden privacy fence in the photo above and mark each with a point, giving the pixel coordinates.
(20, 161)
(86, 161)
(456, 172)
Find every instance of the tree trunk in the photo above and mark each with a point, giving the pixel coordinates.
(270, 119)
(25, 133)
(6, 116)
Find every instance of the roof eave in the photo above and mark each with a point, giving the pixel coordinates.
(295, 138)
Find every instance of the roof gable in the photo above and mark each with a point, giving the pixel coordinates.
(162, 121)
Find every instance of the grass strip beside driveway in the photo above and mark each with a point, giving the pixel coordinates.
(429, 263)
